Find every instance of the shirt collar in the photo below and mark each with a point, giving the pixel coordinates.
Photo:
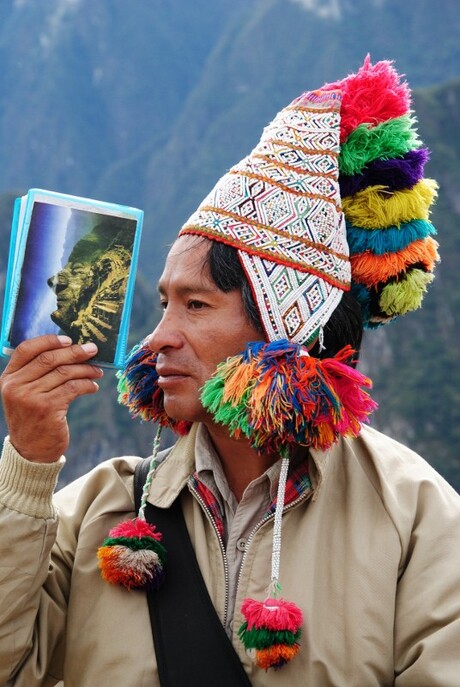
(182, 461)
(209, 469)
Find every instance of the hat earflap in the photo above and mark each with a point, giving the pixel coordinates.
(138, 390)
(275, 394)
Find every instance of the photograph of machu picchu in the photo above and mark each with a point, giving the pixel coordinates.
(71, 272)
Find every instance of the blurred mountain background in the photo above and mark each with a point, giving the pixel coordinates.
(147, 103)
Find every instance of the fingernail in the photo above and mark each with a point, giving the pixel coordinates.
(64, 340)
(89, 347)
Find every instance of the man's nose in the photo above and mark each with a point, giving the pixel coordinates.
(57, 283)
(167, 334)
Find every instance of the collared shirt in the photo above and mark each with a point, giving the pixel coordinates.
(236, 520)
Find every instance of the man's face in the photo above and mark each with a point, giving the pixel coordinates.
(68, 285)
(201, 326)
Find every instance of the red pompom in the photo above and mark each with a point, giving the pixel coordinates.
(132, 555)
(135, 528)
(375, 94)
(273, 614)
(271, 631)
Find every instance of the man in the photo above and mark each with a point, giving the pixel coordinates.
(248, 364)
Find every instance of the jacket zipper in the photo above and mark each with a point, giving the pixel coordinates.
(262, 522)
(221, 544)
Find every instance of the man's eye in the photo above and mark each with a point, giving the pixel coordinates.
(163, 305)
(196, 305)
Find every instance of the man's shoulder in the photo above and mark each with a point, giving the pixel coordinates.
(391, 453)
(106, 480)
(110, 481)
(121, 466)
(395, 470)
(381, 443)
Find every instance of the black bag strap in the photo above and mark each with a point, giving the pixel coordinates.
(191, 645)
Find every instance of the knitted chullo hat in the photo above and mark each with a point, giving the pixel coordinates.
(347, 154)
(331, 199)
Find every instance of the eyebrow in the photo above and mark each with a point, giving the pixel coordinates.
(184, 290)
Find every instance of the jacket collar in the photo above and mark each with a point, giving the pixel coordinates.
(173, 473)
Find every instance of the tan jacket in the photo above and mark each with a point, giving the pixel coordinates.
(372, 556)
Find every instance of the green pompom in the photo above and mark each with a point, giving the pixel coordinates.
(262, 638)
(393, 138)
(401, 297)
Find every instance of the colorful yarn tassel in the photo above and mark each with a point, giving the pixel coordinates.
(373, 270)
(138, 390)
(395, 174)
(271, 631)
(389, 240)
(276, 394)
(375, 207)
(381, 166)
(132, 556)
(374, 94)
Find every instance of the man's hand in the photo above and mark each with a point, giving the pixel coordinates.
(42, 378)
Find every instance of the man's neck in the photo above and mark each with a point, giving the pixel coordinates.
(241, 463)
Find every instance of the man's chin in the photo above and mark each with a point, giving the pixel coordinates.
(183, 412)
(62, 322)
(55, 317)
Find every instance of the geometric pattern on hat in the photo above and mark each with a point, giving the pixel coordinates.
(303, 302)
(349, 150)
(280, 207)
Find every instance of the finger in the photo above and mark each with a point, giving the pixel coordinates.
(27, 395)
(28, 350)
(64, 373)
(41, 408)
(62, 396)
(47, 360)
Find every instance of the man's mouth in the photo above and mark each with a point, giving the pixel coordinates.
(170, 376)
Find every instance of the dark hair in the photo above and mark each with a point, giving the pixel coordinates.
(345, 326)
